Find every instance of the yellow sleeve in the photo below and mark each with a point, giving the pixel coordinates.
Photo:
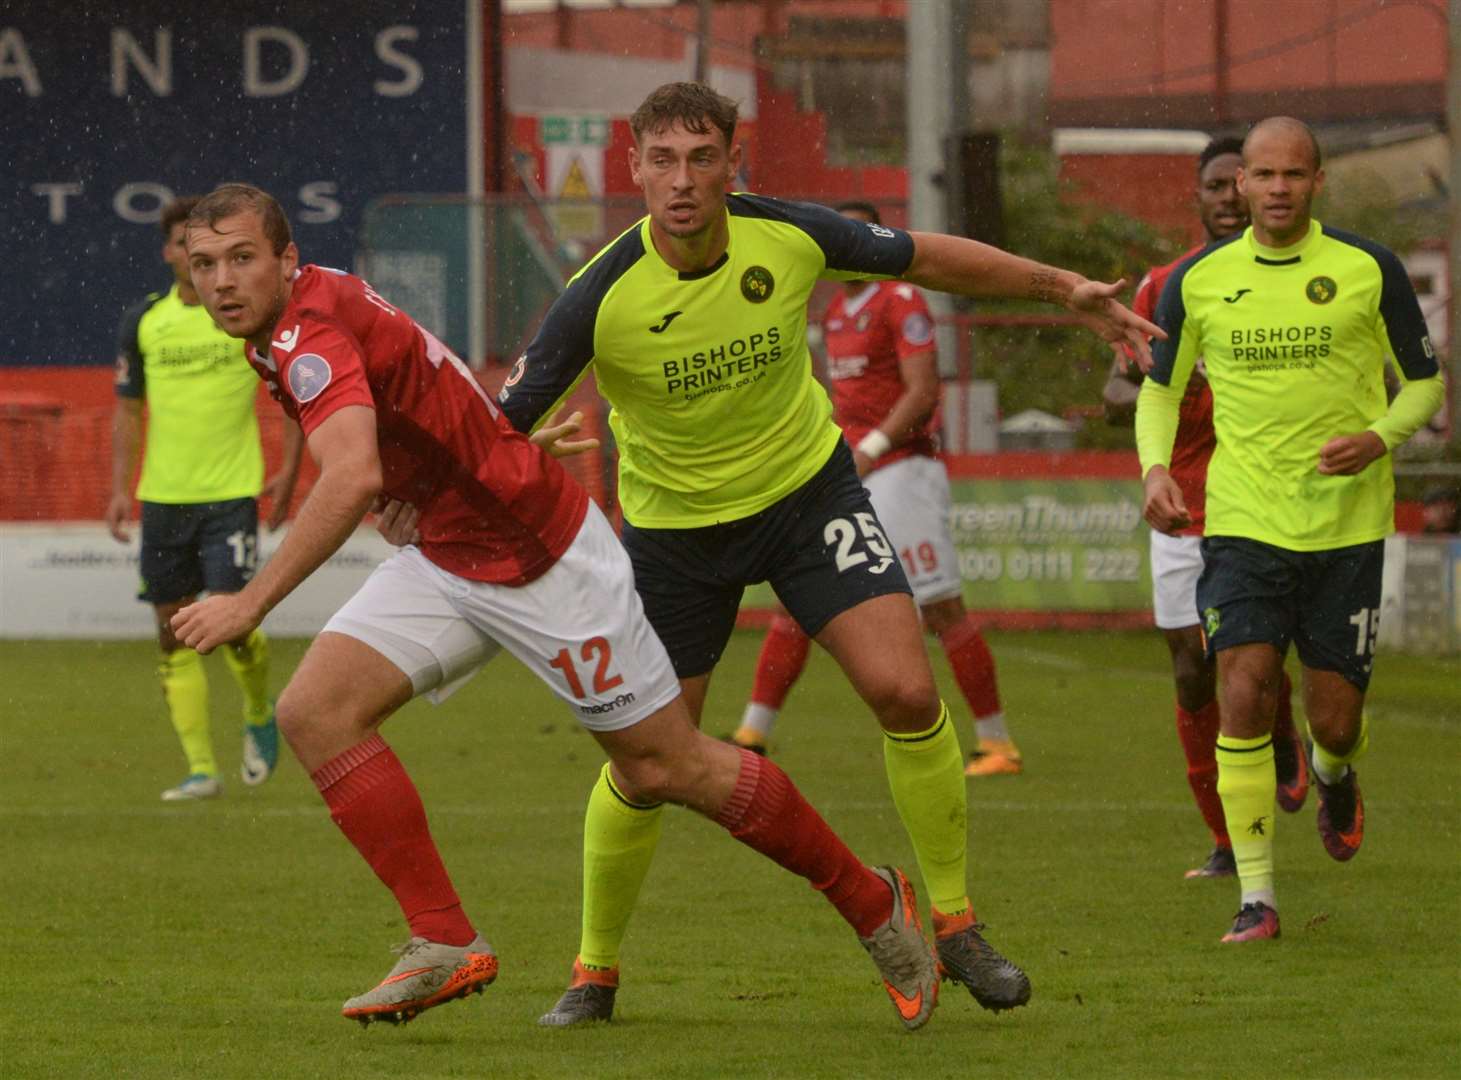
(1160, 401)
(1416, 403)
(1157, 409)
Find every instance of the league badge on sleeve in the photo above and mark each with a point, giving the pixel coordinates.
(917, 328)
(308, 377)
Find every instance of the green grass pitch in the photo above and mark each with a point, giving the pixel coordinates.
(219, 939)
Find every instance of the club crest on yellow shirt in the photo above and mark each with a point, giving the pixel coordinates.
(757, 284)
(1321, 289)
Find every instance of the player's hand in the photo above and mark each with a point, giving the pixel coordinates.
(214, 621)
(396, 521)
(279, 490)
(117, 510)
(1120, 327)
(1162, 505)
(553, 436)
(1349, 455)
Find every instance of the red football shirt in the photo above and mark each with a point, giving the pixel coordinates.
(494, 507)
(867, 337)
(1196, 439)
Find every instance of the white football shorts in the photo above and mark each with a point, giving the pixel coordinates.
(580, 628)
(912, 500)
(1176, 566)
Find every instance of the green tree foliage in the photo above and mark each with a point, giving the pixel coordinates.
(1362, 201)
(1060, 369)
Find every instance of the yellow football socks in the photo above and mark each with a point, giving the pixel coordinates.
(185, 688)
(249, 663)
(1246, 785)
(619, 838)
(926, 776)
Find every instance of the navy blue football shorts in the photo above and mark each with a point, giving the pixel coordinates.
(821, 548)
(192, 547)
(1326, 602)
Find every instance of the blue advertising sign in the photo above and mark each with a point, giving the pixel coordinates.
(110, 110)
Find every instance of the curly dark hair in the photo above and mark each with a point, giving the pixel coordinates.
(1217, 147)
(692, 104)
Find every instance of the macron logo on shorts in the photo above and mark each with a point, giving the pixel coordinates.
(607, 706)
(308, 377)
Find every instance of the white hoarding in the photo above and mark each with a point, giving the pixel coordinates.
(75, 581)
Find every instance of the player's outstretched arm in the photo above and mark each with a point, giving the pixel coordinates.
(953, 264)
(344, 447)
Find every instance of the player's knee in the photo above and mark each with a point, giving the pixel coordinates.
(659, 778)
(305, 717)
(290, 715)
(1196, 685)
(905, 705)
(941, 616)
(1250, 700)
(1336, 726)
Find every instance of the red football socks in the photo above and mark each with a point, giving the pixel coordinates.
(767, 813)
(783, 655)
(973, 665)
(377, 807)
(1198, 732)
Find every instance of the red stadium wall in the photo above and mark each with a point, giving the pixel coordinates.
(1208, 64)
(791, 154)
(55, 448)
(1159, 189)
(56, 442)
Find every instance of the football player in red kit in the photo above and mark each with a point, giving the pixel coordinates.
(512, 555)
